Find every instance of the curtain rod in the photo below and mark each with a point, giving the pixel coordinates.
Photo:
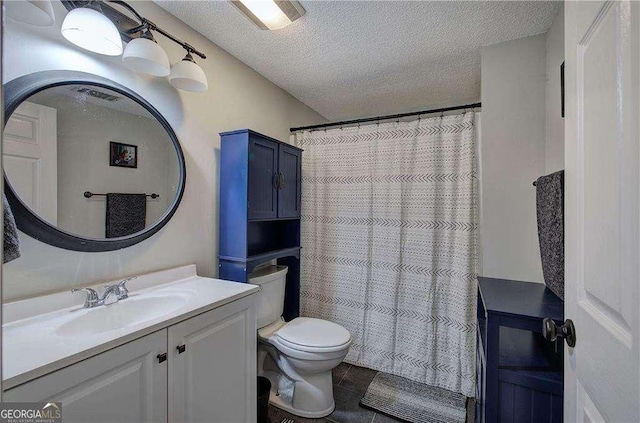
(387, 117)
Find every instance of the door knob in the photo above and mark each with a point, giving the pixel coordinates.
(551, 331)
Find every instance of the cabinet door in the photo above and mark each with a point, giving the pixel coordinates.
(125, 384)
(290, 179)
(263, 166)
(213, 379)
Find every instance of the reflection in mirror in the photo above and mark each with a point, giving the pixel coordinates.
(67, 140)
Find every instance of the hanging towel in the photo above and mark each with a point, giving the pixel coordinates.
(126, 214)
(11, 249)
(550, 210)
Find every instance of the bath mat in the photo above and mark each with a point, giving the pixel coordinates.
(413, 402)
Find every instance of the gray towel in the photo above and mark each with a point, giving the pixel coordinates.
(11, 250)
(550, 210)
(126, 214)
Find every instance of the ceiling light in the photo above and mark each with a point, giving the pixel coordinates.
(270, 14)
(145, 55)
(188, 76)
(32, 12)
(91, 30)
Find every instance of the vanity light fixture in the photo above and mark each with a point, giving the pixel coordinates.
(91, 30)
(32, 12)
(270, 14)
(145, 55)
(90, 23)
(187, 75)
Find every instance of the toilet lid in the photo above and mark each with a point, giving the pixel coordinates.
(317, 333)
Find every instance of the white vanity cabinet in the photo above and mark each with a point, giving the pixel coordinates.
(223, 391)
(207, 375)
(124, 384)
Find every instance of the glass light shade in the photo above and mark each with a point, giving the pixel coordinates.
(91, 30)
(146, 56)
(188, 76)
(32, 12)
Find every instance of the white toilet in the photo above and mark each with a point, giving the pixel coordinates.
(305, 350)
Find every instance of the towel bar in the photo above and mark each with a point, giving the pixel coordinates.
(89, 194)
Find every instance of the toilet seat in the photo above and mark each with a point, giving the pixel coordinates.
(313, 335)
(305, 348)
(309, 334)
(306, 338)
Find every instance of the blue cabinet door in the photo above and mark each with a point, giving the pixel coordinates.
(263, 170)
(289, 182)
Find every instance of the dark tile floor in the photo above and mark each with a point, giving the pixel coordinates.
(349, 385)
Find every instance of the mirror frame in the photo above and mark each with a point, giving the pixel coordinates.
(19, 90)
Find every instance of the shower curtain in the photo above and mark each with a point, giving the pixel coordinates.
(389, 244)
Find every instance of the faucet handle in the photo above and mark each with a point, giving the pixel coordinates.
(122, 290)
(124, 281)
(91, 298)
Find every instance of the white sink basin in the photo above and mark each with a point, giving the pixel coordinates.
(122, 314)
(44, 334)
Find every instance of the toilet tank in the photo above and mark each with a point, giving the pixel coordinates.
(272, 280)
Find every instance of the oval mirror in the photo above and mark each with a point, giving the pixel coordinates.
(89, 165)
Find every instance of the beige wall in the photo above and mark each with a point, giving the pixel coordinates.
(554, 154)
(521, 140)
(513, 156)
(238, 97)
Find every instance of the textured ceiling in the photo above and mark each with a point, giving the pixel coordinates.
(349, 59)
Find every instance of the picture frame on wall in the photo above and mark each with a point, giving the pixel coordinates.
(123, 155)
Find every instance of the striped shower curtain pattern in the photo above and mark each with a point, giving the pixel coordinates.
(389, 244)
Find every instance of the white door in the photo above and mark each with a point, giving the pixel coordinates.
(212, 366)
(30, 158)
(602, 215)
(127, 384)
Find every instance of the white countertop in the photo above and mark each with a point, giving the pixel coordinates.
(35, 343)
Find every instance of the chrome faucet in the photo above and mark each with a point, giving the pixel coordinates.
(92, 300)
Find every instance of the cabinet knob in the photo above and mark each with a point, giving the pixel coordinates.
(281, 180)
(162, 357)
(551, 331)
(181, 348)
(276, 180)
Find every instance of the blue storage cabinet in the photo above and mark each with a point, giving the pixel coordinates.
(260, 194)
(519, 373)
(263, 177)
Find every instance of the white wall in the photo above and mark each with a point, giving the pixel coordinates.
(513, 156)
(238, 97)
(554, 156)
(522, 138)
